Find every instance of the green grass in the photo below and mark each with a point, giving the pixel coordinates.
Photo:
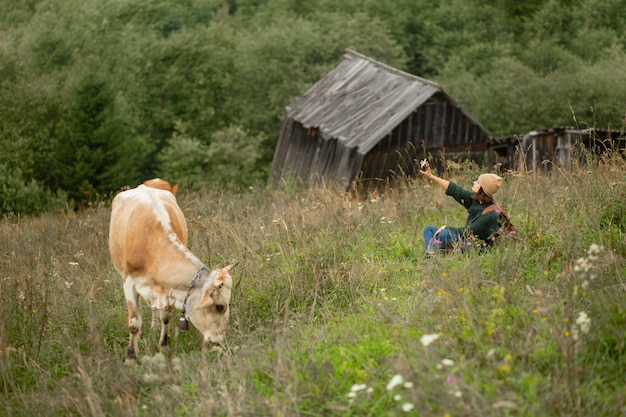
(332, 297)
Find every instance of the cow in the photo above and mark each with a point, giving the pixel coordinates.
(148, 247)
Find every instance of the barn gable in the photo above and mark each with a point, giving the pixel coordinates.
(367, 121)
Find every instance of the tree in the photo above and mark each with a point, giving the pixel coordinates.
(97, 152)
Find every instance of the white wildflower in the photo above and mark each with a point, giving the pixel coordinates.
(406, 407)
(397, 397)
(395, 381)
(595, 249)
(582, 265)
(358, 387)
(427, 339)
(151, 378)
(408, 384)
(448, 362)
(177, 364)
(584, 322)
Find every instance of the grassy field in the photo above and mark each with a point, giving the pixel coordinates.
(336, 310)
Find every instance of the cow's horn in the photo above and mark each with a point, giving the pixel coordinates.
(231, 266)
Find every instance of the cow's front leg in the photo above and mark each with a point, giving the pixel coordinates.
(154, 323)
(166, 314)
(134, 319)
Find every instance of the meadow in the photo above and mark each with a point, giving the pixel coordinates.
(336, 311)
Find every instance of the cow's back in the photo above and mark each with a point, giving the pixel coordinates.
(145, 223)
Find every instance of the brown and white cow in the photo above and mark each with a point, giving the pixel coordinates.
(147, 242)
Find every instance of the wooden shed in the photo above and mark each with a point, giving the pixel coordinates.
(368, 122)
(544, 150)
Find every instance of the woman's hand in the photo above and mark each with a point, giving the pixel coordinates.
(426, 172)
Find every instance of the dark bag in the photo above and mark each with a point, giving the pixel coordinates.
(507, 229)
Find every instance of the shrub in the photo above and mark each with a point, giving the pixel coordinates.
(19, 196)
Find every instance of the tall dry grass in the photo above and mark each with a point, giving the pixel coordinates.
(333, 295)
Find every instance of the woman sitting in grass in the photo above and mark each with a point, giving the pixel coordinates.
(479, 225)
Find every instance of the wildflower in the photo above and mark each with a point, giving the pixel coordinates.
(177, 364)
(150, 378)
(406, 407)
(395, 381)
(350, 214)
(451, 379)
(397, 397)
(427, 339)
(73, 263)
(582, 265)
(584, 322)
(505, 368)
(594, 250)
(358, 387)
(447, 362)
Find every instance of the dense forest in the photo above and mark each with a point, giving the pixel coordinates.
(99, 94)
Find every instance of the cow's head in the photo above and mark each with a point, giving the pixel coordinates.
(161, 185)
(211, 312)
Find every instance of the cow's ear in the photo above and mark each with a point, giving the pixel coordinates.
(175, 189)
(205, 299)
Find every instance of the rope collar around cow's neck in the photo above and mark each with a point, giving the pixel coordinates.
(184, 326)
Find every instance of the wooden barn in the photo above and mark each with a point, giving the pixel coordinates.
(369, 123)
(544, 150)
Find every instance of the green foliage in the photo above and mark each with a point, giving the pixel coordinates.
(100, 88)
(95, 153)
(20, 196)
(229, 161)
(184, 161)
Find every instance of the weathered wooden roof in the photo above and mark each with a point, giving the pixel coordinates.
(361, 101)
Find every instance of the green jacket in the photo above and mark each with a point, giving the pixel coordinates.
(484, 226)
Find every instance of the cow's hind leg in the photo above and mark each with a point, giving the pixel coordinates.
(166, 314)
(134, 319)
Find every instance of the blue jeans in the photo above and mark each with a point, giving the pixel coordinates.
(446, 239)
